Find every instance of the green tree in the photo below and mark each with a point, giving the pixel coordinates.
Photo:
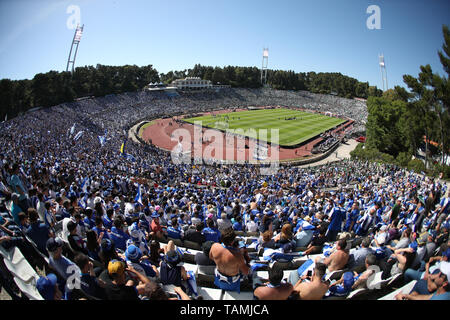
(384, 130)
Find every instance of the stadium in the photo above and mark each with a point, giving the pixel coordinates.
(125, 183)
(301, 134)
(145, 178)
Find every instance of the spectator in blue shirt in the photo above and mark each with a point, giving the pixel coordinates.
(63, 266)
(89, 222)
(99, 228)
(107, 219)
(119, 236)
(48, 287)
(210, 232)
(337, 216)
(352, 216)
(90, 284)
(38, 231)
(134, 258)
(174, 231)
(237, 223)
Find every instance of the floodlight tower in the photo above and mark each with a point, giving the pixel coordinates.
(383, 72)
(75, 42)
(265, 62)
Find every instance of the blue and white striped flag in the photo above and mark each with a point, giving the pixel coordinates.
(78, 135)
(130, 157)
(138, 197)
(102, 140)
(305, 267)
(84, 184)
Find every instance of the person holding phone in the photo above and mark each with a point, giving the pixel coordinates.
(122, 287)
(314, 289)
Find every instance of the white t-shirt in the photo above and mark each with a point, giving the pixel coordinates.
(252, 226)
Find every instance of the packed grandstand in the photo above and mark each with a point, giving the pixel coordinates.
(88, 213)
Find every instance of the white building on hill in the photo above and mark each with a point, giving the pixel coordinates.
(192, 83)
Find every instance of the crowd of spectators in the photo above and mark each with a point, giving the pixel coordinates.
(63, 188)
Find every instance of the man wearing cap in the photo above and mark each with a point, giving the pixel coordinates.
(379, 242)
(430, 267)
(134, 258)
(64, 267)
(421, 251)
(438, 286)
(171, 272)
(138, 238)
(121, 286)
(158, 231)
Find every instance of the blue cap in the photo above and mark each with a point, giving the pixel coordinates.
(155, 215)
(133, 253)
(269, 213)
(46, 286)
(348, 279)
(446, 253)
(53, 244)
(173, 257)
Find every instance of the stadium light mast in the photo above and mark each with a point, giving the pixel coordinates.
(265, 62)
(383, 72)
(75, 42)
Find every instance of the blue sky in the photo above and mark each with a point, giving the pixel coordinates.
(309, 35)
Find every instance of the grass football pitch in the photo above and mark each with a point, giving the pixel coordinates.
(294, 126)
